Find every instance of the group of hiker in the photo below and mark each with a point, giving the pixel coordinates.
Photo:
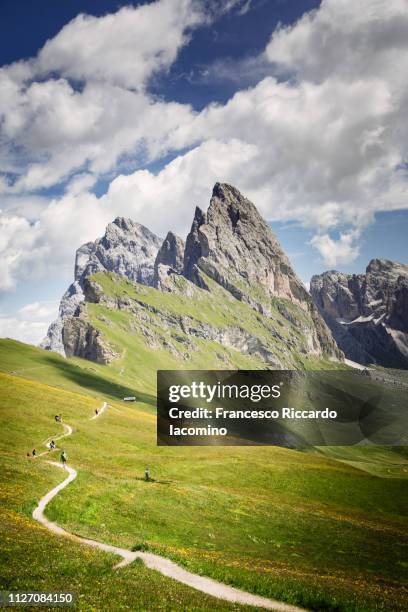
(51, 445)
(63, 457)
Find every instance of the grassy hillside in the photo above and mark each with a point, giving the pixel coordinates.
(153, 329)
(33, 559)
(301, 527)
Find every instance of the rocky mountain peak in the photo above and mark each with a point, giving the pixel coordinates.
(235, 246)
(171, 252)
(169, 259)
(367, 313)
(127, 248)
(125, 224)
(230, 244)
(386, 268)
(192, 251)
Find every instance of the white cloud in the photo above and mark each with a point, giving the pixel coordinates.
(161, 202)
(30, 322)
(167, 200)
(82, 103)
(331, 135)
(56, 127)
(245, 8)
(46, 246)
(337, 252)
(124, 48)
(56, 130)
(325, 146)
(17, 247)
(352, 40)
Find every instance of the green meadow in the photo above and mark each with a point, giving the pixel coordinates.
(324, 529)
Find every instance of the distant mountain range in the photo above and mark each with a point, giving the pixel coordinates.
(367, 313)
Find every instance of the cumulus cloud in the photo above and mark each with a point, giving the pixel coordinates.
(329, 128)
(166, 200)
(34, 249)
(354, 40)
(82, 102)
(17, 246)
(322, 139)
(337, 252)
(124, 48)
(30, 322)
(161, 201)
(62, 131)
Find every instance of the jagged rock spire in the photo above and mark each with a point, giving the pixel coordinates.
(127, 248)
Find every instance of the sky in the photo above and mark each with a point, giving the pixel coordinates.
(137, 109)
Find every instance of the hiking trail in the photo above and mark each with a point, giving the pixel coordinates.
(156, 562)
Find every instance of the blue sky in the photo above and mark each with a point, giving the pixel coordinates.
(136, 109)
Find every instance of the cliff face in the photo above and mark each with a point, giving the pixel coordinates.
(230, 253)
(233, 245)
(127, 248)
(367, 313)
(169, 259)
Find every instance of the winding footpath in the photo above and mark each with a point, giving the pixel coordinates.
(156, 562)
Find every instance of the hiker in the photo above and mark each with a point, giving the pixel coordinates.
(96, 412)
(52, 445)
(63, 457)
(34, 453)
(58, 418)
(147, 474)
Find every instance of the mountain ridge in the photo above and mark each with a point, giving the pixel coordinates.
(367, 313)
(230, 253)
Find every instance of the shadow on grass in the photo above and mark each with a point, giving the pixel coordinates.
(92, 381)
(154, 481)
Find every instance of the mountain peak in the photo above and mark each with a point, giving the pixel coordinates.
(386, 266)
(170, 255)
(124, 223)
(230, 243)
(367, 313)
(224, 191)
(127, 248)
(232, 205)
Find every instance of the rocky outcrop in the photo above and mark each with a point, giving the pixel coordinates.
(81, 339)
(232, 244)
(367, 313)
(169, 260)
(127, 248)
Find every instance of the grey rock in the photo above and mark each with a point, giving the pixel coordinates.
(233, 245)
(127, 248)
(229, 246)
(367, 313)
(169, 260)
(171, 253)
(80, 338)
(193, 249)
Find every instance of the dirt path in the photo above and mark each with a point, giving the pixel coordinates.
(100, 411)
(156, 562)
(67, 432)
